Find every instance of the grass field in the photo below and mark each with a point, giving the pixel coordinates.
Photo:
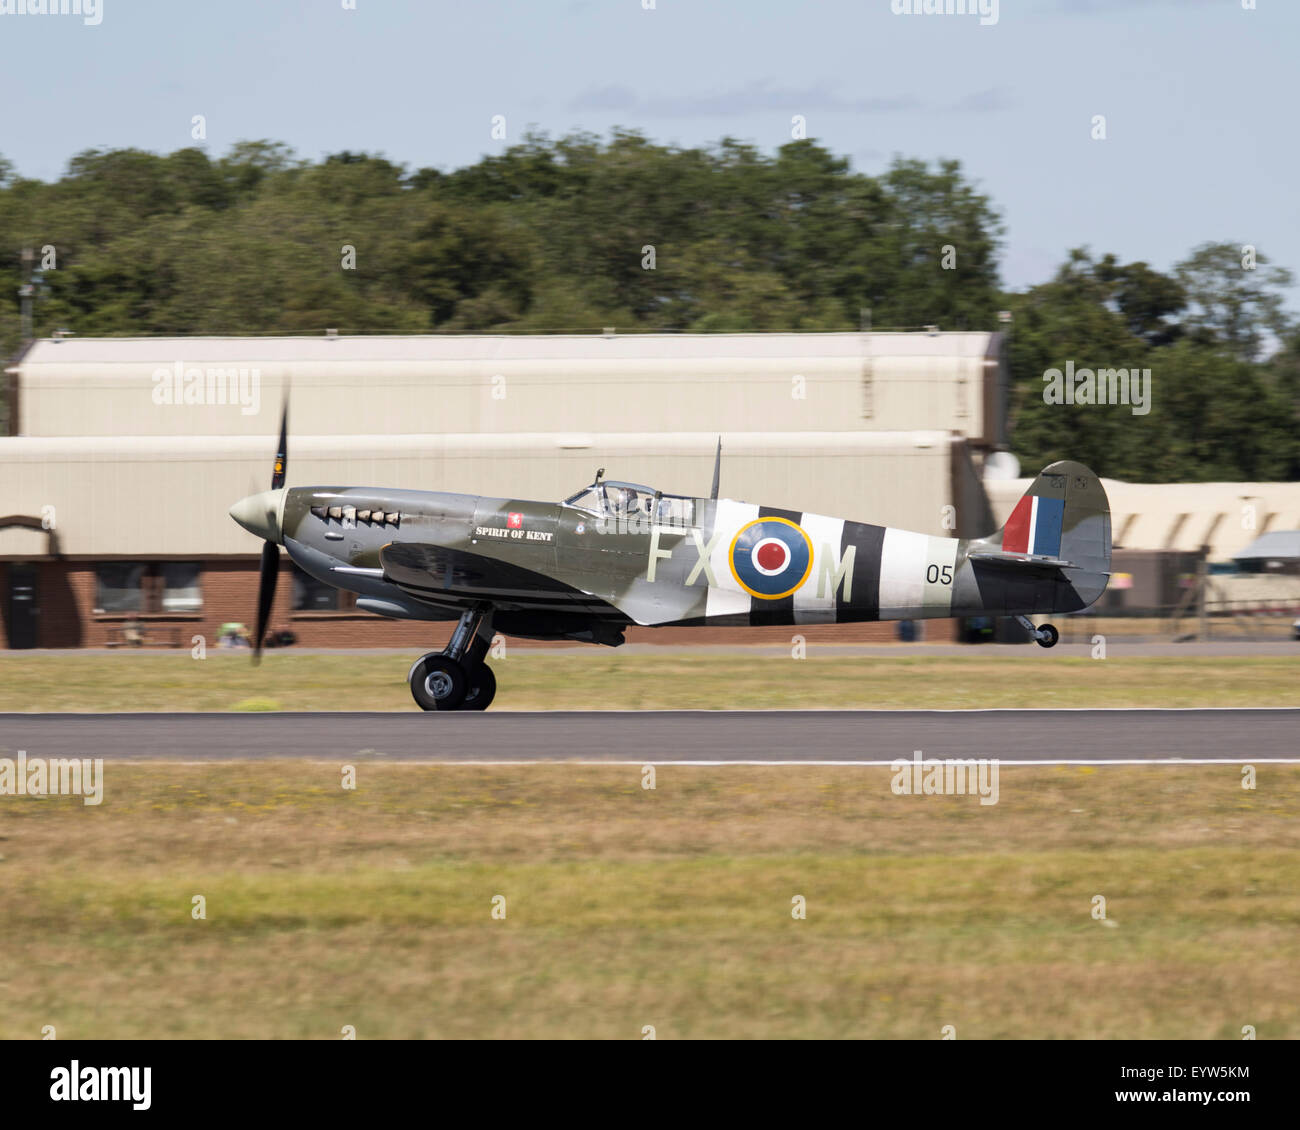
(604, 679)
(628, 907)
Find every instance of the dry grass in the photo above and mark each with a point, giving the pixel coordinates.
(607, 679)
(628, 907)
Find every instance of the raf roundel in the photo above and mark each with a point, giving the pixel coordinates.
(770, 558)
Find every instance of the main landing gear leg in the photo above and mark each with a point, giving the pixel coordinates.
(1044, 636)
(457, 678)
(482, 682)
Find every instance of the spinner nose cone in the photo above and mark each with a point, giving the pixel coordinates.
(261, 514)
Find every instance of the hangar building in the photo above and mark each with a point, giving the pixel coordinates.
(125, 454)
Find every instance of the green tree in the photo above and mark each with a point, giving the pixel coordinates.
(1235, 298)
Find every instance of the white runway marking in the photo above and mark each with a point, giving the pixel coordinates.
(665, 710)
(590, 762)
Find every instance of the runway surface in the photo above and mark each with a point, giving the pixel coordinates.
(851, 736)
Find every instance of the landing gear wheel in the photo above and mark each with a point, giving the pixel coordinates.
(482, 689)
(438, 682)
(1046, 636)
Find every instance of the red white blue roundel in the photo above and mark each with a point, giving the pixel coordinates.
(770, 558)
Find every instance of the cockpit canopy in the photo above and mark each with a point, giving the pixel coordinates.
(613, 499)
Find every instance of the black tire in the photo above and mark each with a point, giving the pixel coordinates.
(1047, 635)
(482, 689)
(437, 682)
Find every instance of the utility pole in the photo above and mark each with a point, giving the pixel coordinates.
(868, 363)
(25, 292)
(1203, 594)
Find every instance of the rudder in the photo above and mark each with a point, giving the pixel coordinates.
(1064, 514)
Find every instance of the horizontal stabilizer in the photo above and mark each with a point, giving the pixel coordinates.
(1029, 560)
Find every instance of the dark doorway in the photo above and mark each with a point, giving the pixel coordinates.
(24, 606)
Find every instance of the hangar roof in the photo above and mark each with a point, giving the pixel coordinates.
(471, 347)
(514, 383)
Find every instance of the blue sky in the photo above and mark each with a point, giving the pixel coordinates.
(1199, 95)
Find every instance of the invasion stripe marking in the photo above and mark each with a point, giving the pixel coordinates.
(775, 612)
(864, 601)
(725, 596)
(916, 575)
(902, 573)
(812, 605)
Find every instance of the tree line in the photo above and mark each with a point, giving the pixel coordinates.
(577, 233)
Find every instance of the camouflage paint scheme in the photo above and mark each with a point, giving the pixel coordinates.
(619, 554)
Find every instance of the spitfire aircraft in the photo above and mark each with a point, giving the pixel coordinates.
(616, 554)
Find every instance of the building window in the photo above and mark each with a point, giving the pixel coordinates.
(138, 586)
(180, 586)
(117, 587)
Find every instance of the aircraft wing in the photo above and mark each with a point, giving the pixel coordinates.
(440, 575)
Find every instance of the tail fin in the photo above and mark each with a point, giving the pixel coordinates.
(1061, 524)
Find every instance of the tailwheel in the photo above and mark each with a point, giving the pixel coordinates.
(1046, 635)
(438, 682)
(482, 689)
